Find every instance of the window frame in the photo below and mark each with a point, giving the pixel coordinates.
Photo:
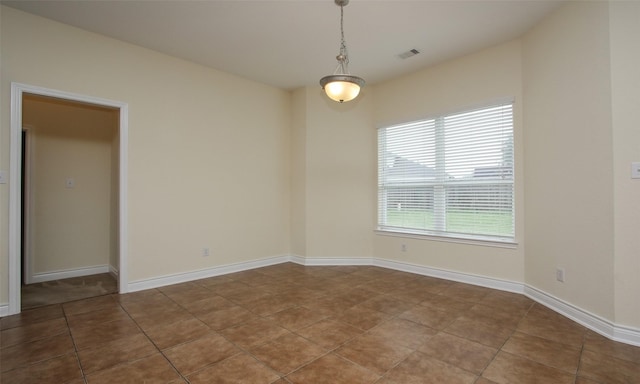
(439, 234)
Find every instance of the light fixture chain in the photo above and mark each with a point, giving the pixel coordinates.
(344, 45)
(343, 57)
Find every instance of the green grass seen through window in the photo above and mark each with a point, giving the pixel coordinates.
(495, 223)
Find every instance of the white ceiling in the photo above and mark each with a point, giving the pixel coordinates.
(293, 43)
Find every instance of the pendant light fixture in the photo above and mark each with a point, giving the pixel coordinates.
(342, 86)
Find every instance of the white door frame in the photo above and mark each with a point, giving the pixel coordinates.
(15, 191)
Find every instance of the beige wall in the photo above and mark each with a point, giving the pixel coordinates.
(484, 77)
(334, 154)
(299, 173)
(568, 157)
(70, 227)
(581, 101)
(625, 85)
(208, 151)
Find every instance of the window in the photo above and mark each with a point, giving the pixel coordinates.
(449, 176)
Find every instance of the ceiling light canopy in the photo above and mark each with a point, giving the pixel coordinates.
(341, 86)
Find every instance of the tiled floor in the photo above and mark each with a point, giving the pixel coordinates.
(314, 325)
(64, 290)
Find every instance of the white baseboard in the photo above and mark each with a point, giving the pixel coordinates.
(4, 310)
(597, 324)
(589, 320)
(627, 335)
(113, 271)
(56, 275)
(297, 259)
(488, 282)
(162, 281)
(327, 261)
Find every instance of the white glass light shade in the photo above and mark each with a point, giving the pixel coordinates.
(341, 88)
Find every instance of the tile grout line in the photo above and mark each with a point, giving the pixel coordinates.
(506, 341)
(575, 375)
(67, 332)
(210, 329)
(151, 341)
(75, 345)
(241, 349)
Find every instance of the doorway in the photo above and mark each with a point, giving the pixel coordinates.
(69, 200)
(19, 237)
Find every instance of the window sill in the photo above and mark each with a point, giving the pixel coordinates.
(450, 239)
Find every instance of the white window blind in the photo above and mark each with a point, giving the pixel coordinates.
(449, 176)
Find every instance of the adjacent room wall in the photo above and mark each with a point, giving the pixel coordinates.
(488, 76)
(70, 225)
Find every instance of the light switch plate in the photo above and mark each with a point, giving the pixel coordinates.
(635, 170)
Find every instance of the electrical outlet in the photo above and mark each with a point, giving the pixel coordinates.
(560, 274)
(205, 252)
(403, 247)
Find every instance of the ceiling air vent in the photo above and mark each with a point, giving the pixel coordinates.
(408, 54)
